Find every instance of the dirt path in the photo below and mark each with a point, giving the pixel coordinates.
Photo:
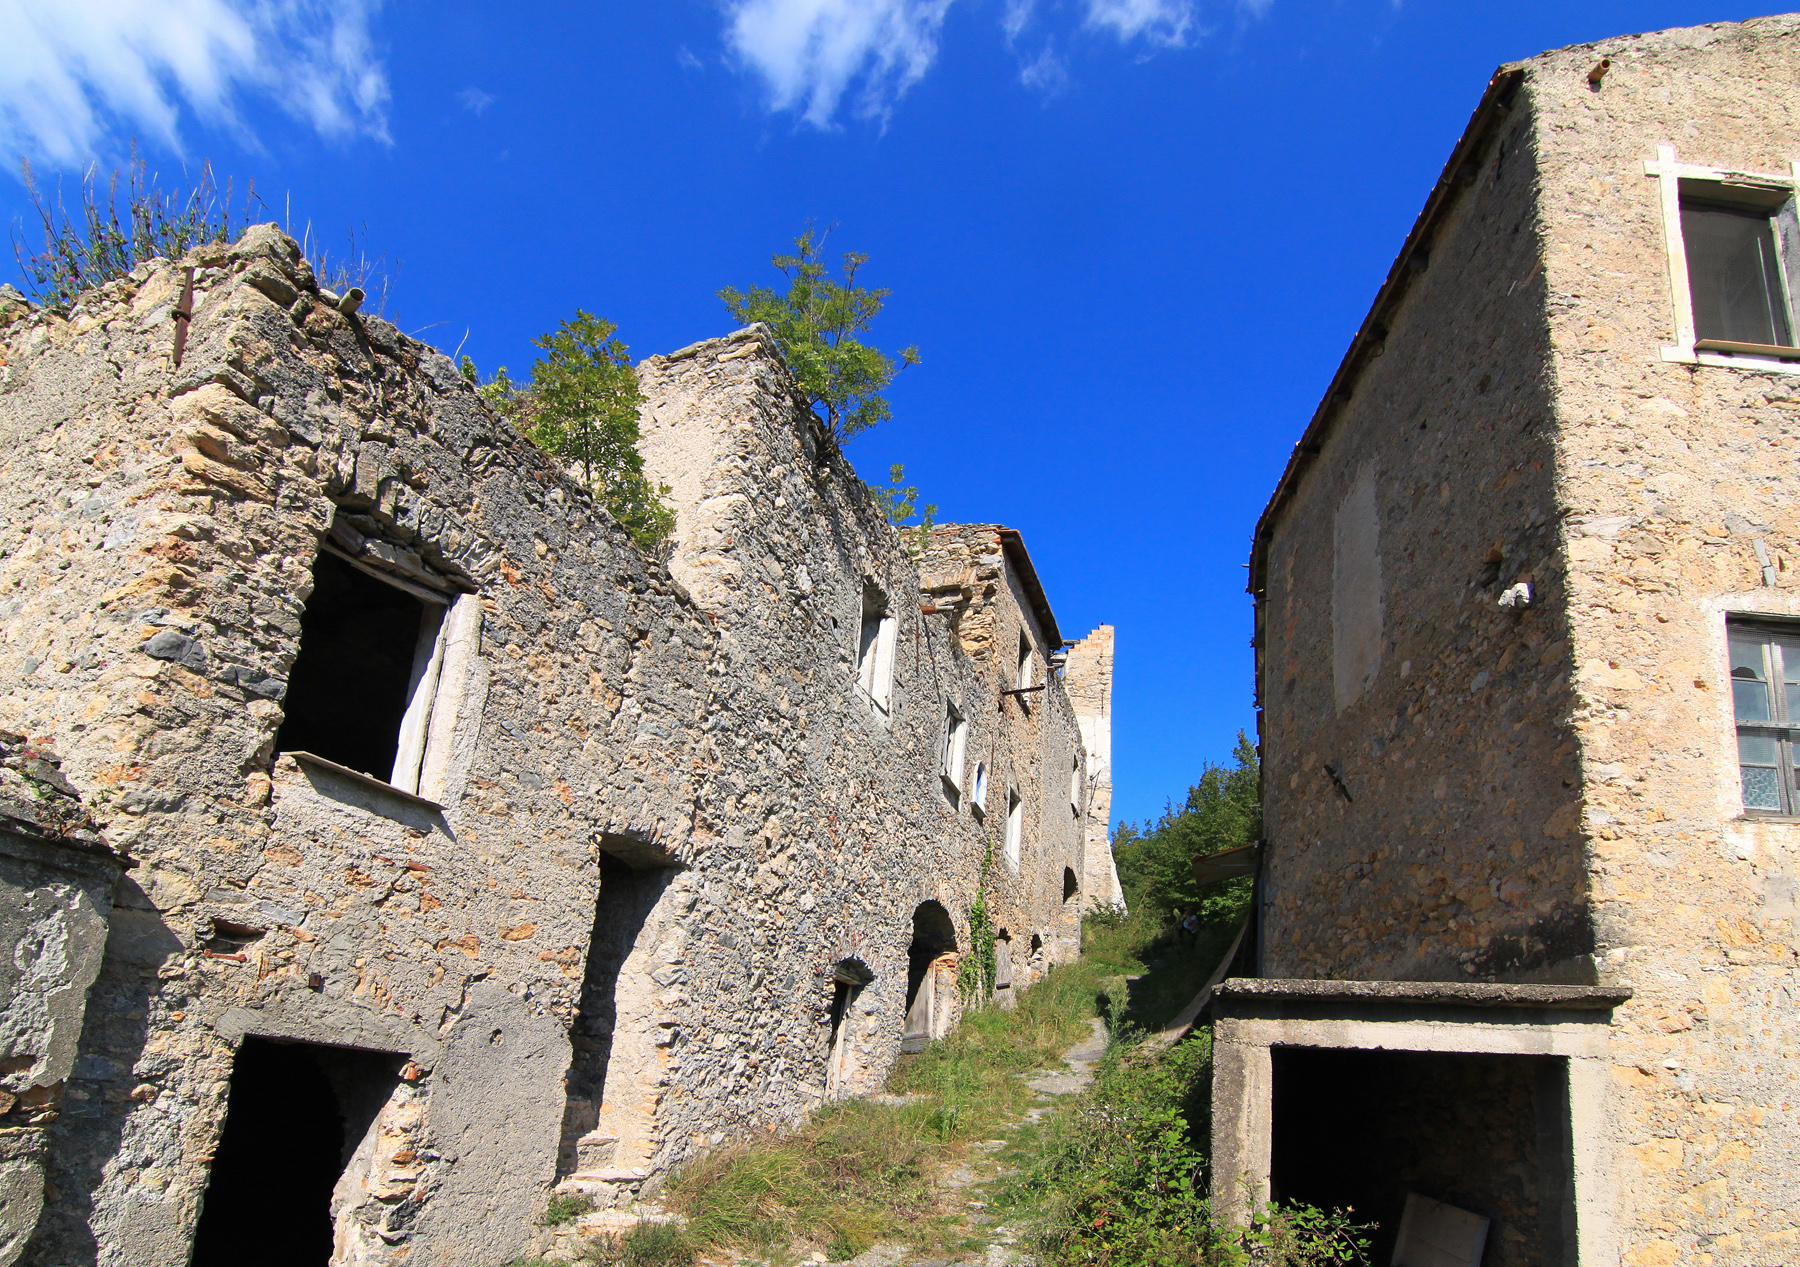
(1000, 1250)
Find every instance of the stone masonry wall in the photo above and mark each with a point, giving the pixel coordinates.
(1422, 815)
(1088, 680)
(1670, 478)
(159, 527)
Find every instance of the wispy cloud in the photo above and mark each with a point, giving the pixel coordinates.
(809, 53)
(475, 101)
(74, 73)
(684, 58)
(1165, 22)
(1045, 73)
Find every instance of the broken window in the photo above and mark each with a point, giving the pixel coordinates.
(1015, 828)
(978, 794)
(1765, 698)
(956, 742)
(875, 650)
(362, 687)
(1735, 273)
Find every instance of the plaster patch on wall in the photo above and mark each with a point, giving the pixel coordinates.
(1356, 591)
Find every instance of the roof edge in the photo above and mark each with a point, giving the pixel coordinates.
(1014, 546)
(1458, 173)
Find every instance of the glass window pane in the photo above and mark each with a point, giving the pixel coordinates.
(1748, 660)
(1756, 749)
(1762, 788)
(1733, 275)
(1751, 700)
(1749, 672)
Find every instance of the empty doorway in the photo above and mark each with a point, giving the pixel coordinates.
(933, 936)
(294, 1118)
(1361, 1129)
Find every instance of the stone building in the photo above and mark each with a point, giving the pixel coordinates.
(471, 852)
(1527, 895)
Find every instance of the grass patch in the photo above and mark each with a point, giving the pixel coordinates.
(565, 1208)
(859, 1172)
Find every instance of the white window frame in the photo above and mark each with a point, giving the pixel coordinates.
(956, 745)
(875, 657)
(1015, 829)
(1670, 173)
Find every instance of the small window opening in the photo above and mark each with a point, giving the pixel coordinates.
(296, 1118)
(875, 649)
(1765, 698)
(1025, 667)
(1739, 287)
(1075, 783)
(361, 687)
(978, 794)
(956, 742)
(1015, 828)
(1071, 886)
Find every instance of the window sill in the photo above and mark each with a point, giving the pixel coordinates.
(366, 780)
(1742, 356)
(1750, 817)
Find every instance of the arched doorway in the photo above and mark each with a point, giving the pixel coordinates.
(933, 942)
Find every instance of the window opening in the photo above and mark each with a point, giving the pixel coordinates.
(1075, 783)
(956, 741)
(1735, 274)
(296, 1116)
(1765, 699)
(362, 685)
(978, 796)
(875, 649)
(1025, 668)
(1071, 886)
(1015, 827)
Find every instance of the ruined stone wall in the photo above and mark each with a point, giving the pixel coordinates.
(1671, 478)
(1088, 679)
(972, 579)
(1418, 759)
(159, 528)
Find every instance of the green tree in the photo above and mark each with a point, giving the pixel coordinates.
(1223, 810)
(816, 323)
(582, 407)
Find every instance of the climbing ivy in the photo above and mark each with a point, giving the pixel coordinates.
(975, 976)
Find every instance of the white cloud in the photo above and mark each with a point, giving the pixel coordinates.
(809, 52)
(1045, 73)
(1017, 14)
(684, 58)
(475, 101)
(74, 73)
(1164, 22)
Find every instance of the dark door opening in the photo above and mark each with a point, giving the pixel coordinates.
(1359, 1130)
(295, 1116)
(627, 896)
(355, 673)
(933, 935)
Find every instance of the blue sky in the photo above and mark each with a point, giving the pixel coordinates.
(1131, 238)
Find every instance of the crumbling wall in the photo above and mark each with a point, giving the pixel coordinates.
(1088, 680)
(1676, 484)
(159, 526)
(1419, 758)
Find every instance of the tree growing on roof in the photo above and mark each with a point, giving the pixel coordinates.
(817, 322)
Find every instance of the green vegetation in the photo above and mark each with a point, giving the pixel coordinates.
(113, 230)
(582, 408)
(816, 323)
(564, 1208)
(1222, 811)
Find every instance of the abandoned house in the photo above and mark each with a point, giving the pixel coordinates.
(363, 789)
(1525, 598)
